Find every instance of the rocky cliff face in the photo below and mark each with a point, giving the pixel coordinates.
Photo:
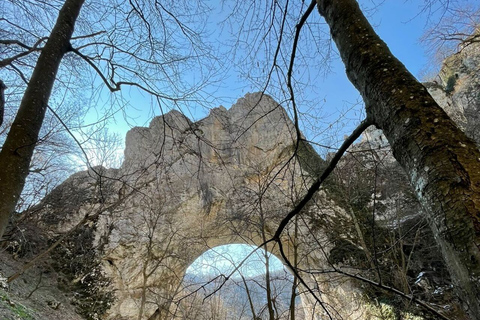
(184, 187)
(128, 234)
(457, 89)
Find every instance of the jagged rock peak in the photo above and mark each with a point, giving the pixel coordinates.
(249, 122)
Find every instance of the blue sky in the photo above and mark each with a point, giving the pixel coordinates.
(400, 23)
(224, 259)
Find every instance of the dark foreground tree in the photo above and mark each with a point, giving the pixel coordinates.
(18, 148)
(443, 165)
(120, 43)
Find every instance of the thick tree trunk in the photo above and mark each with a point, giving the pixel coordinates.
(18, 148)
(442, 163)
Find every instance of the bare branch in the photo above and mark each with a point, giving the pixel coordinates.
(31, 49)
(316, 185)
(298, 29)
(89, 35)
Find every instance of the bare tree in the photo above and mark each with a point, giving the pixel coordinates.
(439, 159)
(441, 162)
(109, 46)
(18, 148)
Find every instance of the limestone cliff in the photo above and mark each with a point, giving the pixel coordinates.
(184, 187)
(457, 89)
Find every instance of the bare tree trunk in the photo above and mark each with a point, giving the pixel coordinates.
(249, 296)
(293, 294)
(143, 298)
(2, 102)
(268, 288)
(18, 148)
(442, 163)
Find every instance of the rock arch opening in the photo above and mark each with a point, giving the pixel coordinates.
(238, 281)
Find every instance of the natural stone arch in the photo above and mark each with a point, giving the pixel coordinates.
(171, 279)
(223, 179)
(186, 186)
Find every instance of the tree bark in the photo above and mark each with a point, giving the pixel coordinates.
(442, 163)
(18, 148)
(2, 101)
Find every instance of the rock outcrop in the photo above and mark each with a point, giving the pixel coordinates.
(184, 187)
(457, 88)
